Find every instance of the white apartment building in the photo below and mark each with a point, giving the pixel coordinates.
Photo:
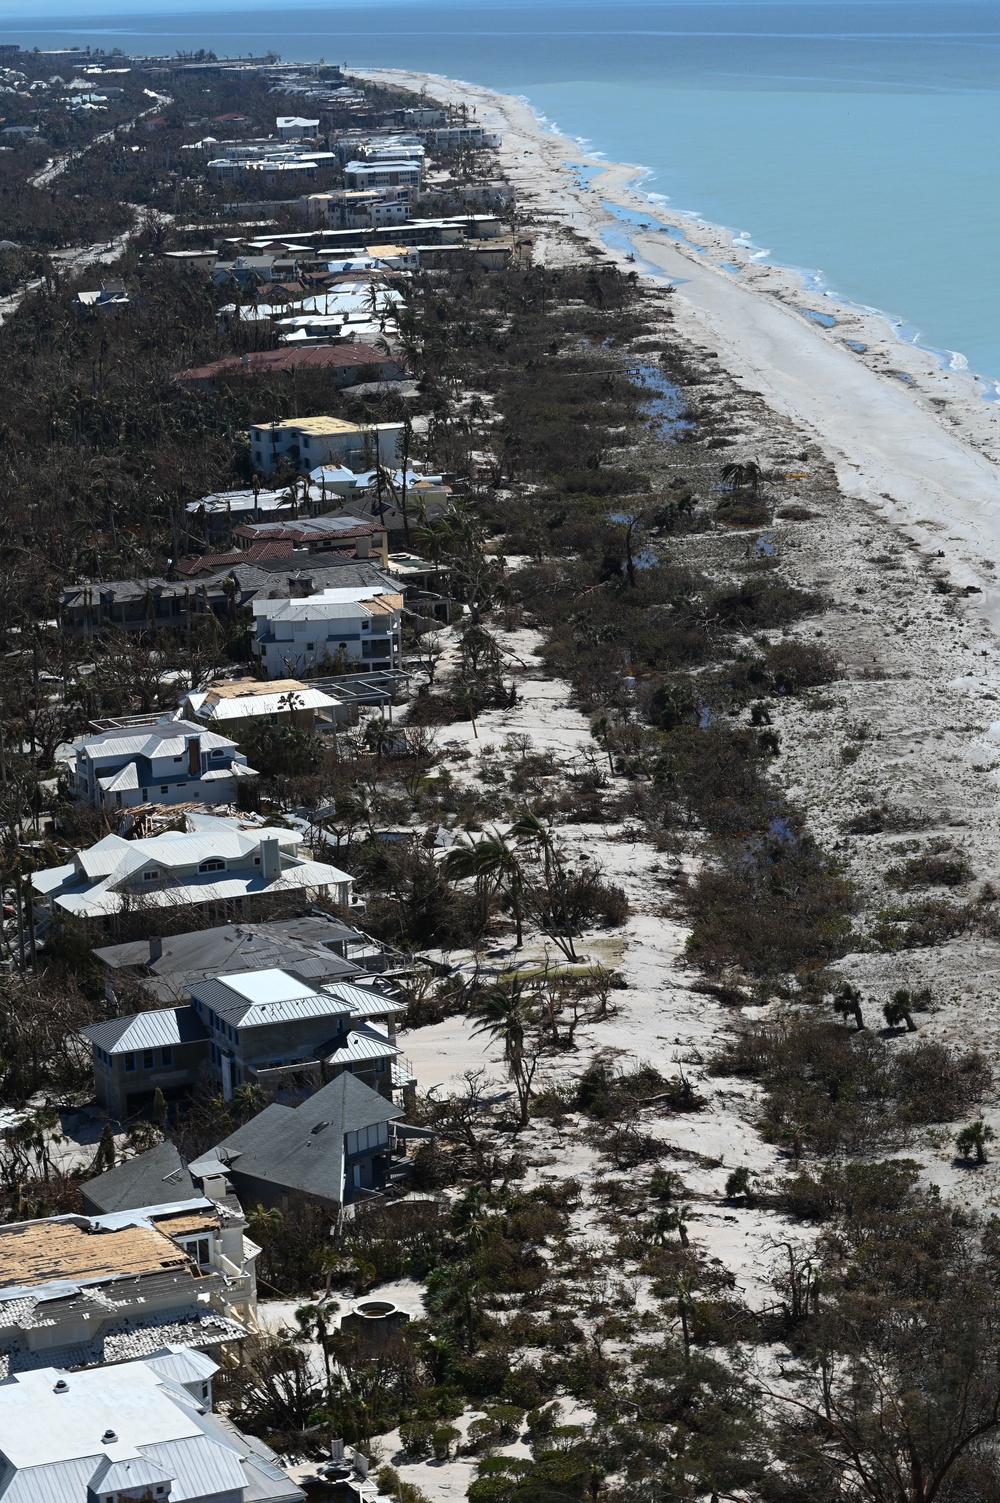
(309, 443)
(361, 625)
(364, 175)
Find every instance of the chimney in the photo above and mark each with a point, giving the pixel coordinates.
(194, 755)
(270, 858)
(155, 948)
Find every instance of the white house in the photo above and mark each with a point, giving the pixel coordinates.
(308, 443)
(214, 861)
(361, 625)
(294, 128)
(463, 135)
(163, 762)
(134, 1430)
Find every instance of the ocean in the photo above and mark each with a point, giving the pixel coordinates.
(855, 141)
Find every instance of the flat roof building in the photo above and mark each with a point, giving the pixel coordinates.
(131, 1431)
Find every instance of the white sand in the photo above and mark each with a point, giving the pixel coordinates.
(892, 446)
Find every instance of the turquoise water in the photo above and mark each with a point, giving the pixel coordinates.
(852, 140)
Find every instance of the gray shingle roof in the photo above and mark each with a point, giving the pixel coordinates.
(302, 1148)
(150, 1179)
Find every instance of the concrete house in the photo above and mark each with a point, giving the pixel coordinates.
(135, 1431)
(76, 1291)
(217, 864)
(358, 625)
(162, 762)
(268, 1027)
(308, 443)
(334, 1147)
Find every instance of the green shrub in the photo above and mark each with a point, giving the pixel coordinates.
(929, 871)
(417, 1439)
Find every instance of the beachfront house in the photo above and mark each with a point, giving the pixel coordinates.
(76, 1291)
(314, 945)
(134, 1431)
(221, 866)
(329, 630)
(308, 443)
(242, 705)
(160, 761)
(335, 1147)
(269, 1027)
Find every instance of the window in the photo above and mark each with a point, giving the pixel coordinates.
(212, 865)
(380, 1067)
(152, 875)
(178, 759)
(216, 754)
(357, 1176)
(199, 1249)
(167, 1056)
(128, 1060)
(145, 795)
(164, 788)
(148, 1059)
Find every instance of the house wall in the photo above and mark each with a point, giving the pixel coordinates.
(276, 1044)
(115, 1084)
(293, 646)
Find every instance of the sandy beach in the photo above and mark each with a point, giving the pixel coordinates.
(918, 442)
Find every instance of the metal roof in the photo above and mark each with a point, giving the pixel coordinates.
(146, 1030)
(160, 738)
(252, 999)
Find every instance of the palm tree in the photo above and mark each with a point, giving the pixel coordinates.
(555, 915)
(314, 1321)
(665, 1222)
(503, 1012)
(847, 1002)
(973, 1140)
(898, 1010)
(744, 476)
(494, 866)
(685, 1309)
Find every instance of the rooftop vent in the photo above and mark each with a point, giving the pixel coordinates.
(319, 1127)
(61, 1386)
(109, 1437)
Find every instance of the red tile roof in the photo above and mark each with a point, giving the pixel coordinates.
(326, 357)
(209, 563)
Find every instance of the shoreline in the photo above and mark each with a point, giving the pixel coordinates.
(915, 441)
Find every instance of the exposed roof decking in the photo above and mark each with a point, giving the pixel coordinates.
(40, 1252)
